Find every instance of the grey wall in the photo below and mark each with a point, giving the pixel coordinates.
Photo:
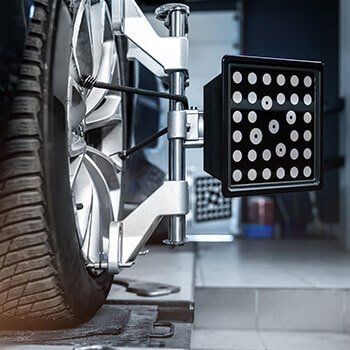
(345, 121)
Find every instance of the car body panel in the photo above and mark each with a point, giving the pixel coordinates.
(14, 19)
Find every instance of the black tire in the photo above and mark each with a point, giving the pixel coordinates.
(43, 279)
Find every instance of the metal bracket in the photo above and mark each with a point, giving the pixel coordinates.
(160, 55)
(127, 237)
(187, 125)
(195, 129)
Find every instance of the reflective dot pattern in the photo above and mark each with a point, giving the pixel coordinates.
(210, 204)
(272, 125)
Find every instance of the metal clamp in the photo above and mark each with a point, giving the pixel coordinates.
(177, 125)
(187, 125)
(160, 55)
(127, 237)
(195, 129)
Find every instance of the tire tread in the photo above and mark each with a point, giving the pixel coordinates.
(29, 287)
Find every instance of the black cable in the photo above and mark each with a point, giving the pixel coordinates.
(125, 154)
(90, 82)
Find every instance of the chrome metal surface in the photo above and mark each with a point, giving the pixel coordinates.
(162, 12)
(177, 125)
(95, 130)
(176, 17)
(159, 54)
(195, 129)
(146, 288)
(128, 237)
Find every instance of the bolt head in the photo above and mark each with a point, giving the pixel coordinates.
(162, 12)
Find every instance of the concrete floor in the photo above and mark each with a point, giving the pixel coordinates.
(268, 340)
(267, 295)
(303, 264)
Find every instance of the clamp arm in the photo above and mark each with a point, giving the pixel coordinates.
(127, 237)
(160, 54)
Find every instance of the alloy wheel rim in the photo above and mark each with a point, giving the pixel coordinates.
(95, 129)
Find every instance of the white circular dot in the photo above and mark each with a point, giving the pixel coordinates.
(252, 97)
(281, 99)
(294, 136)
(252, 116)
(237, 175)
(266, 103)
(294, 99)
(307, 81)
(294, 154)
(237, 97)
(252, 174)
(266, 155)
(307, 135)
(274, 126)
(281, 80)
(307, 171)
(237, 156)
(281, 149)
(252, 155)
(237, 77)
(237, 116)
(307, 117)
(237, 136)
(256, 136)
(266, 174)
(294, 172)
(267, 79)
(291, 117)
(252, 78)
(307, 153)
(307, 99)
(280, 173)
(294, 80)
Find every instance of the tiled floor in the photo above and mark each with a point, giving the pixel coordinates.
(253, 340)
(273, 264)
(273, 285)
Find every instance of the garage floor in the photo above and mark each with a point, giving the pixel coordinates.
(272, 295)
(306, 264)
(254, 295)
(268, 340)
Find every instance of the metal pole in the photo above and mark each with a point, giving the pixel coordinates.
(177, 22)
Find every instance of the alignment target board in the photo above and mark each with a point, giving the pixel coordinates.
(271, 122)
(210, 204)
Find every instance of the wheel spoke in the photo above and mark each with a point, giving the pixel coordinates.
(104, 56)
(74, 167)
(108, 114)
(82, 46)
(83, 198)
(97, 21)
(76, 104)
(101, 209)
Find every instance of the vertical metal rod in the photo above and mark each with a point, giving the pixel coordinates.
(177, 224)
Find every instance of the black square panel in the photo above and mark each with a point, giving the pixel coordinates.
(267, 123)
(210, 203)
